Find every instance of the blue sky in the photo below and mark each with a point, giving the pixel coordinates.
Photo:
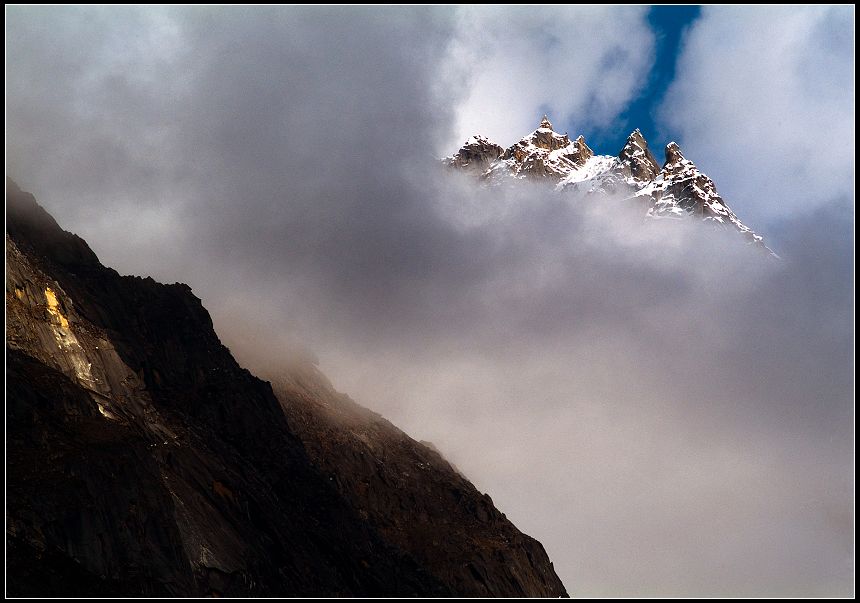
(596, 71)
(669, 24)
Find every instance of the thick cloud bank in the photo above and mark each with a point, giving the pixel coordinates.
(510, 64)
(666, 409)
(763, 100)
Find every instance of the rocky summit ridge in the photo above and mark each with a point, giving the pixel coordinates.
(675, 190)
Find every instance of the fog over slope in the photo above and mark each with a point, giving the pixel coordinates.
(666, 410)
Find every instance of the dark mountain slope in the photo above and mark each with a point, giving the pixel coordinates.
(412, 495)
(143, 460)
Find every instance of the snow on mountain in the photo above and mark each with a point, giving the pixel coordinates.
(677, 190)
(476, 155)
(681, 189)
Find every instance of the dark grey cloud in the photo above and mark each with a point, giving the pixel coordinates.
(666, 410)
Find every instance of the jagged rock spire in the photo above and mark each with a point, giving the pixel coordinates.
(675, 161)
(583, 151)
(476, 154)
(636, 138)
(673, 153)
(636, 158)
(678, 189)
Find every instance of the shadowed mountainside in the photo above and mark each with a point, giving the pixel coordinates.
(143, 460)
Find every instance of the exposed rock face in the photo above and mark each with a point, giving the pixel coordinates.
(637, 162)
(412, 495)
(143, 460)
(476, 155)
(674, 159)
(677, 190)
(680, 189)
(542, 155)
(583, 152)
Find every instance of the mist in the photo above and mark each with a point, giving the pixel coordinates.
(668, 410)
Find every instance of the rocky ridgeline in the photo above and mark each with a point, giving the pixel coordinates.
(676, 190)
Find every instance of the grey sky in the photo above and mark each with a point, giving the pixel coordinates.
(666, 411)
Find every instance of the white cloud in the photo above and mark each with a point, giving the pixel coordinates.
(763, 102)
(582, 65)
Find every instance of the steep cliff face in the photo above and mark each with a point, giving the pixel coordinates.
(412, 495)
(143, 460)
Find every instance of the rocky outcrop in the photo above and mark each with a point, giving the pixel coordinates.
(637, 161)
(678, 190)
(143, 460)
(681, 190)
(675, 160)
(476, 155)
(542, 155)
(582, 151)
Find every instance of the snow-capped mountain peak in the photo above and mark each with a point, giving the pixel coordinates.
(681, 190)
(542, 154)
(637, 160)
(677, 190)
(675, 160)
(476, 155)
